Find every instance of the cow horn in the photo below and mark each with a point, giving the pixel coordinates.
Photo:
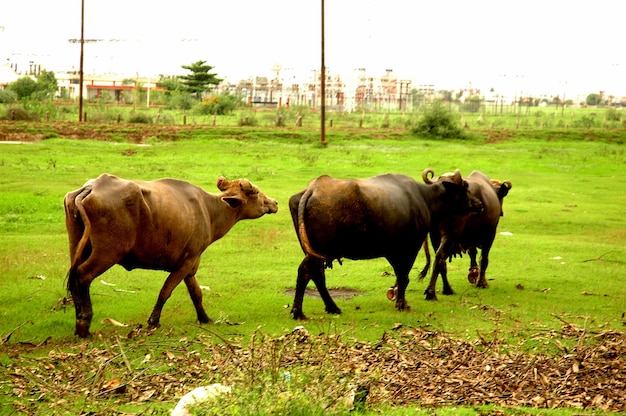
(457, 177)
(246, 186)
(428, 176)
(222, 183)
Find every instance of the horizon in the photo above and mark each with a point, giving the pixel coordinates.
(541, 48)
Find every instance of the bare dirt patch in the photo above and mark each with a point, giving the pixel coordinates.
(11, 131)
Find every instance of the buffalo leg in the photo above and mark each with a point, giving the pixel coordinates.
(311, 269)
(484, 262)
(402, 264)
(424, 271)
(196, 297)
(439, 268)
(473, 271)
(170, 284)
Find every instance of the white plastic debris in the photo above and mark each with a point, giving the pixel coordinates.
(506, 233)
(199, 395)
(111, 321)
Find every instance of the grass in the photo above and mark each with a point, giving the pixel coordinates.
(562, 263)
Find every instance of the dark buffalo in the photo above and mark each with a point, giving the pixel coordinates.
(466, 233)
(384, 216)
(162, 225)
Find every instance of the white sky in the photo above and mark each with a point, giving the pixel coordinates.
(547, 46)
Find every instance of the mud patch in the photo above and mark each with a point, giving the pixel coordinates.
(336, 292)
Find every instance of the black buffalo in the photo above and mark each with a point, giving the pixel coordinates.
(457, 234)
(163, 225)
(384, 216)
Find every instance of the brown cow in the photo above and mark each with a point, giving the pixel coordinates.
(164, 224)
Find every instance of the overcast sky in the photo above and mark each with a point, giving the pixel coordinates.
(537, 46)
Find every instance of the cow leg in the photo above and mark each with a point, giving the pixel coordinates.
(170, 284)
(473, 271)
(82, 305)
(439, 267)
(430, 289)
(402, 266)
(79, 284)
(196, 297)
(424, 271)
(484, 262)
(312, 269)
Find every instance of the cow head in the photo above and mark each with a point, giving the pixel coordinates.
(242, 194)
(461, 200)
(502, 189)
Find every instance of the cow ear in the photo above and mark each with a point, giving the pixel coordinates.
(222, 183)
(451, 186)
(233, 201)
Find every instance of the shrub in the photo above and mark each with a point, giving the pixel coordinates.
(438, 122)
(18, 113)
(248, 119)
(180, 101)
(7, 96)
(140, 118)
(220, 105)
(613, 115)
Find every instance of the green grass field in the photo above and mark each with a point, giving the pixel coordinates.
(561, 259)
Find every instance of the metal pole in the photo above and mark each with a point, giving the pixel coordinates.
(80, 76)
(323, 89)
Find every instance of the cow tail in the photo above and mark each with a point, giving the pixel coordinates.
(304, 237)
(78, 210)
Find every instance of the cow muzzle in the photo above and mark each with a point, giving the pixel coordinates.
(271, 206)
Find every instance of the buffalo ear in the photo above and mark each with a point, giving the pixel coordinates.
(222, 183)
(233, 201)
(451, 186)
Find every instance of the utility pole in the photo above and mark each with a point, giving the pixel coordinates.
(80, 69)
(323, 89)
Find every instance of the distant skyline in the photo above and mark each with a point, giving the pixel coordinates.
(534, 47)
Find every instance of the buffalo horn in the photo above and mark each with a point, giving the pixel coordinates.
(428, 176)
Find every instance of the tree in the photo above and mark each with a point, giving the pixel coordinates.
(593, 99)
(24, 87)
(200, 79)
(47, 85)
(170, 83)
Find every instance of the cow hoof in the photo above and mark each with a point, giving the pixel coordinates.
(430, 295)
(298, 315)
(392, 293)
(403, 307)
(153, 325)
(482, 285)
(82, 329)
(448, 292)
(473, 274)
(334, 311)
